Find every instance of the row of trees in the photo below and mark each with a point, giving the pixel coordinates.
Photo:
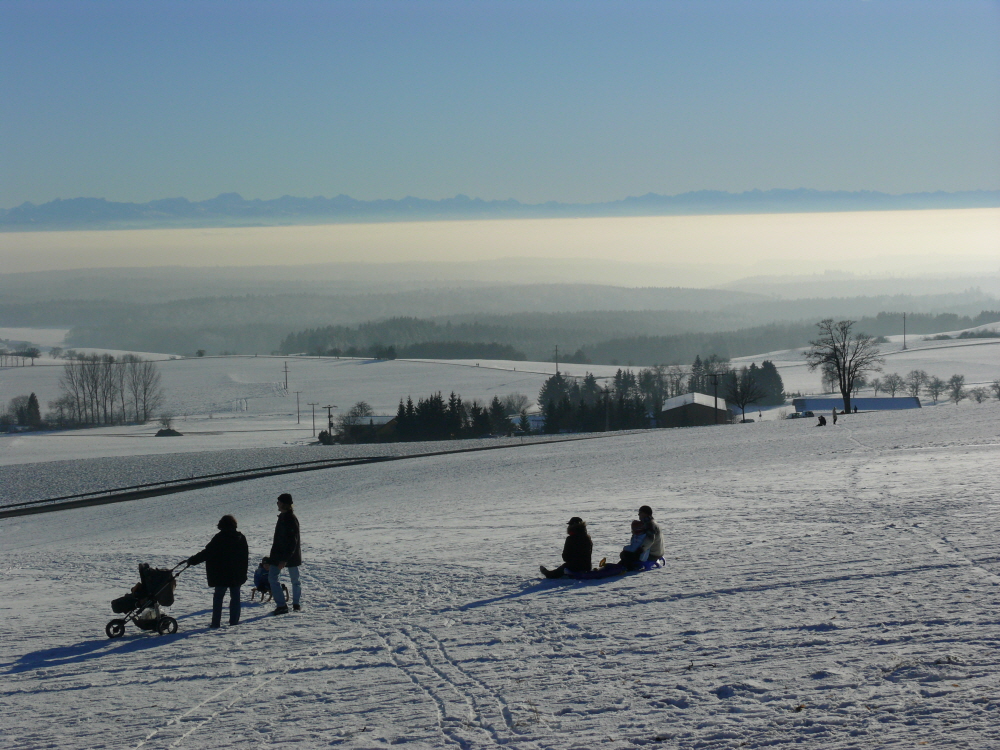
(18, 357)
(99, 389)
(434, 418)
(916, 382)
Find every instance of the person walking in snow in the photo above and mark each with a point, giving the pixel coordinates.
(835, 415)
(226, 559)
(577, 550)
(286, 552)
(652, 545)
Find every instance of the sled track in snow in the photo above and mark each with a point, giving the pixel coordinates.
(171, 486)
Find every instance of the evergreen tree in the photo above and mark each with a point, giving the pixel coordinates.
(590, 391)
(553, 389)
(456, 415)
(499, 422)
(33, 415)
(770, 380)
(696, 381)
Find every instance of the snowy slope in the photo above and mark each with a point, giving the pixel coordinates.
(833, 588)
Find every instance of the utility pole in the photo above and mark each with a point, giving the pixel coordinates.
(904, 332)
(286, 377)
(557, 359)
(297, 420)
(715, 381)
(329, 417)
(314, 405)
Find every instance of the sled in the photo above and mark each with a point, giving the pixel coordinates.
(616, 569)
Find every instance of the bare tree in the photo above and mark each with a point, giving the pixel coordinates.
(150, 392)
(892, 383)
(742, 389)
(876, 385)
(515, 403)
(352, 418)
(956, 388)
(936, 386)
(859, 383)
(915, 381)
(979, 394)
(995, 387)
(675, 381)
(850, 356)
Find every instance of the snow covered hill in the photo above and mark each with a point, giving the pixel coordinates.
(833, 588)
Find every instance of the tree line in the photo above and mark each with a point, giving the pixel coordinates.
(629, 400)
(18, 357)
(916, 382)
(98, 389)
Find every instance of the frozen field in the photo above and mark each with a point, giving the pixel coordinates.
(833, 588)
(231, 403)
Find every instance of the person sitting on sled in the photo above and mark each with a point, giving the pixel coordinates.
(576, 551)
(652, 545)
(633, 552)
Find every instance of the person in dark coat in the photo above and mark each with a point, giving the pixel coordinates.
(576, 552)
(226, 560)
(286, 552)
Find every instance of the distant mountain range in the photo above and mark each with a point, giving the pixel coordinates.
(231, 209)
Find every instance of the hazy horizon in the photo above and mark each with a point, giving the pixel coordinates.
(700, 250)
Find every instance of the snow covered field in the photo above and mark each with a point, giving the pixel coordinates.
(228, 403)
(834, 587)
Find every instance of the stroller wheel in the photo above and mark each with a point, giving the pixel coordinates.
(166, 626)
(115, 629)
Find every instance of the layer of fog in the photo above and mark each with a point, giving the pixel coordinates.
(686, 250)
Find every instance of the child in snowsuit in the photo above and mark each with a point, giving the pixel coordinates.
(261, 583)
(633, 553)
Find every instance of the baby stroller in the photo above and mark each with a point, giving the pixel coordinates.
(142, 605)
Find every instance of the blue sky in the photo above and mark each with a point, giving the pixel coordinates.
(545, 100)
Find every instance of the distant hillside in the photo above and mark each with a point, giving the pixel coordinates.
(229, 209)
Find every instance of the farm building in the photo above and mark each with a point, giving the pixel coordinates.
(826, 405)
(694, 410)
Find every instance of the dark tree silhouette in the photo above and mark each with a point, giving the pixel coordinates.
(850, 356)
(742, 388)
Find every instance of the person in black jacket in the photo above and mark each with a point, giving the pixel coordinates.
(286, 552)
(576, 551)
(226, 560)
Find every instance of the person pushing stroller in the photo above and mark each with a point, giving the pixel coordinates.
(226, 559)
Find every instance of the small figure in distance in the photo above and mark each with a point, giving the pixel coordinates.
(226, 559)
(835, 415)
(286, 552)
(576, 550)
(822, 421)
